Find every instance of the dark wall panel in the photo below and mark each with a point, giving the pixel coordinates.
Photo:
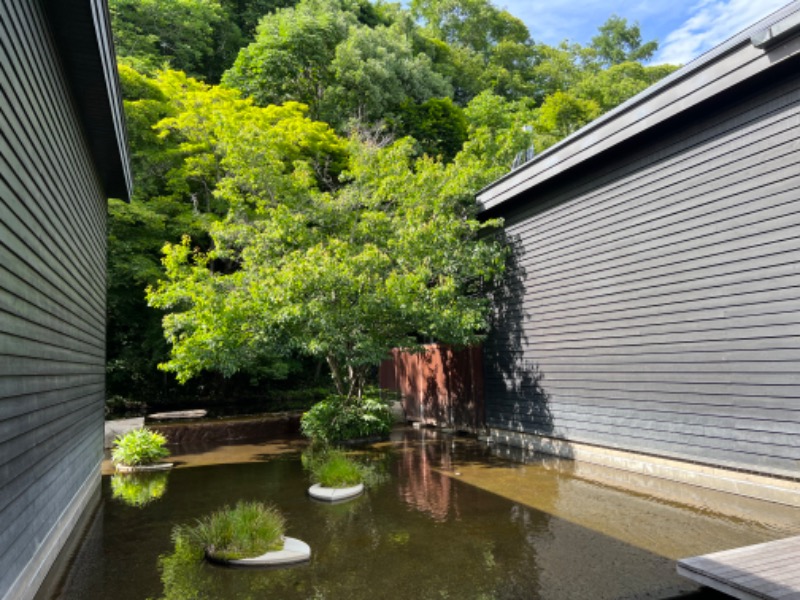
(652, 305)
(52, 292)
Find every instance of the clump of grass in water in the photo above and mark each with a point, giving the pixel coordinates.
(248, 530)
(336, 470)
(330, 467)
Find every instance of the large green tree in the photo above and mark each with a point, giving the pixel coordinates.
(391, 259)
(285, 216)
(374, 72)
(291, 56)
(200, 37)
(487, 48)
(617, 42)
(322, 54)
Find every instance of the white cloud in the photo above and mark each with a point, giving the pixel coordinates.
(711, 23)
(552, 22)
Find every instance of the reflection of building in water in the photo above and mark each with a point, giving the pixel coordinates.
(423, 487)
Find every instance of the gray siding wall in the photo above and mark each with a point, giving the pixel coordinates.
(652, 305)
(52, 295)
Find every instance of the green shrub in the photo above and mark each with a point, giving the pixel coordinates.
(139, 489)
(249, 529)
(139, 447)
(338, 419)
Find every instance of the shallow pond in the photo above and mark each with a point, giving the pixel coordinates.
(453, 519)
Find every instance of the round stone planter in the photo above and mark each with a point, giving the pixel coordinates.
(143, 468)
(327, 494)
(294, 551)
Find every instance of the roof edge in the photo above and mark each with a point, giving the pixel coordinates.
(641, 106)
(81, 30)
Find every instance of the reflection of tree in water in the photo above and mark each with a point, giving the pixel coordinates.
(423, 534)
(421, 487)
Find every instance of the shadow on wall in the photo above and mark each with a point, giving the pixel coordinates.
(516, 398)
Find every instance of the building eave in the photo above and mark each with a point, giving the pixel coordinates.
(82, 33)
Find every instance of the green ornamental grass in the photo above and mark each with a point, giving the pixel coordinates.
(248, 530)
(139, 447)
(334, 469)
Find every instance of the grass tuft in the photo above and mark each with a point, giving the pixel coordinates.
(332, 468)
(248, 530)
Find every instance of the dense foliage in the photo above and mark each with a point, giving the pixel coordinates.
(338, 418)
(141, 446)
(316, 208)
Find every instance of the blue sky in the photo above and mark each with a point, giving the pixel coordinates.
(684, 28)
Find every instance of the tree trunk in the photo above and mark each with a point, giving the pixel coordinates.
(336, 374)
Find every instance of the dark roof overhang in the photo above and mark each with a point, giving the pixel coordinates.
(81, 30)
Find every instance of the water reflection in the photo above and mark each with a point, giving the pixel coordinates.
(450, 521)
(421, 485)
(139, 489)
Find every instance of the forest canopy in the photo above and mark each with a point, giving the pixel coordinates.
(304, 177)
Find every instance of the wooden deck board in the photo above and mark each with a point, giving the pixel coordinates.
(761, 561)
(768, 571)
(761, 566)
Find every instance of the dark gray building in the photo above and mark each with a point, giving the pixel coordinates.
(651, 315)
(62, 153)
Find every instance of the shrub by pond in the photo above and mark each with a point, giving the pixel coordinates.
(338, 418)
(337, 476)
(139, 448)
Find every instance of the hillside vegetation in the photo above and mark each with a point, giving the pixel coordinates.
(304, 180)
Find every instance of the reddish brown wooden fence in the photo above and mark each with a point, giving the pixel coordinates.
(440, 386)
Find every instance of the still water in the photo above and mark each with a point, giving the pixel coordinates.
(452, 519)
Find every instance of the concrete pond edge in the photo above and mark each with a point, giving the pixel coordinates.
(328, 494)
(143, 468)
(294, 551)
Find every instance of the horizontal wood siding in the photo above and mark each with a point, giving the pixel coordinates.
(52, 292)
(653, 306)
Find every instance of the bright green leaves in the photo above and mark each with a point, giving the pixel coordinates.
(374, 72)
(291, 56)
(152, 33)
(619, 42)
(391, 257)
(562, 113)
(235, 151)
(612, 86)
